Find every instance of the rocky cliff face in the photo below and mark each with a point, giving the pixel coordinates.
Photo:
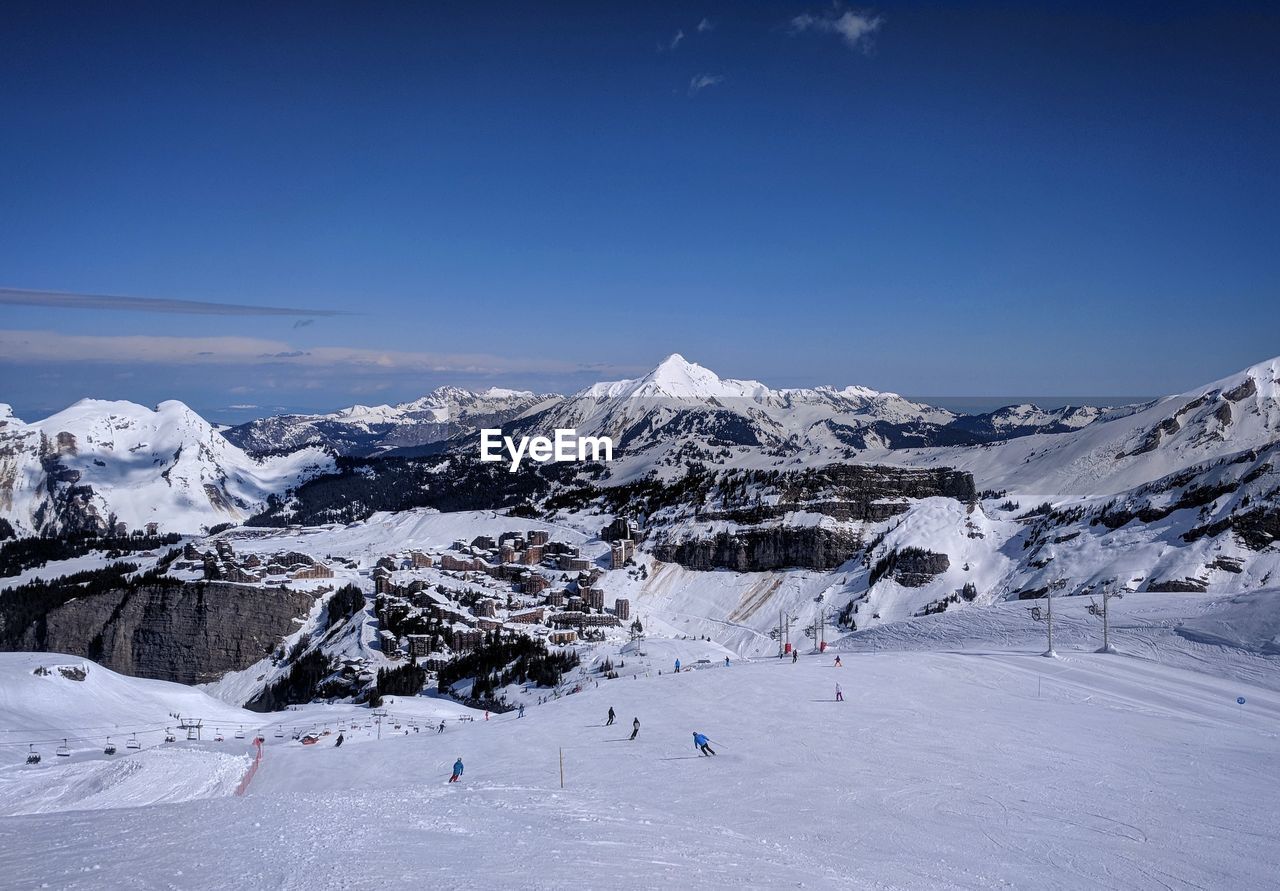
(756, 550)
(189, 633)
(806, 520)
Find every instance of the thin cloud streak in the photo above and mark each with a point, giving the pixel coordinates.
(54, 347)
(64, 300)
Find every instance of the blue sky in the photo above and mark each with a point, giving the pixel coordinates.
(977, 199)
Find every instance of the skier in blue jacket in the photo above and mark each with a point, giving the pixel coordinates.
(700, 741)
(457, 770)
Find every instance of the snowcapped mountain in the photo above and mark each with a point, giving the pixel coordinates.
(366, 430)
(1132, 446)
(680, 403)
(100, 460)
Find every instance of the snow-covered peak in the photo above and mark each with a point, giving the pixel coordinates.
(677, 378)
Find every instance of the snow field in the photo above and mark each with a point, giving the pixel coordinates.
(965, 769)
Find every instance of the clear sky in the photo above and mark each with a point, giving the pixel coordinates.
(1074, 198)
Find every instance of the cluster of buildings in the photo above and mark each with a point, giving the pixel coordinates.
(224, 564)
(518, 580)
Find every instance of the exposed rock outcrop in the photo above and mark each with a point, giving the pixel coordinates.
(189, 633)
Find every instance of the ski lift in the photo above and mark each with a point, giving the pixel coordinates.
(132, 742)
(168, 736)
(279, 733)
(110, 747)
(217, 734)
(64, 750)
(33, 757)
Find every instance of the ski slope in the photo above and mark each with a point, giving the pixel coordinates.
(974, 768)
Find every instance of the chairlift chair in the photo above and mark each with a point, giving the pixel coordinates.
(110, 748)
(132, 742)
(279, 734)
(64, 750)
(240, 733)
(168, 736)
(217, 734)
(33, 757)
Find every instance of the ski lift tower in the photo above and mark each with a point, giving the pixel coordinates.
(1108, 591)
(1047, 615)
(192, 726)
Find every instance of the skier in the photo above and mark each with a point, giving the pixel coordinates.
(839, 664)
(635, 727)
(795, 654)
(726, 661)
(521, 715)
(457, 770)
(610, 721)
(839, 694)
(702, 743)
(440, 729)
(677, 666)
(338, 741)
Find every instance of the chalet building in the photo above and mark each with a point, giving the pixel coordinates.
(419, 560)
(484, 542)
(528, 617)
(538, 537)
(488, 624)
(556, 598)
(190, 552)
(560, 638)
(486, 608)
(381, 581)
(593, 597)
(224, 550)
(618, 530)
(293, 558)
(622, 609)
(153, 529)
(467, 641)
(582, 620)
(534, 583)
(233, 573)
(315, 571)
(620, 552)
(507, 554)
(253, 561)
(532, 556)
(419, 644)
(387, 641)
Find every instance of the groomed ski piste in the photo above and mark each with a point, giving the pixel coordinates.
(960, 757)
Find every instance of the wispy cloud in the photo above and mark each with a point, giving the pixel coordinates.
(36, 347)
(64, 300)
(675, 41)
(700, 82)
(705, 25)
(855, 28)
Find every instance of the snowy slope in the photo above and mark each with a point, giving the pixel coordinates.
(982, 766)
(97, 459)
(1129, 447)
